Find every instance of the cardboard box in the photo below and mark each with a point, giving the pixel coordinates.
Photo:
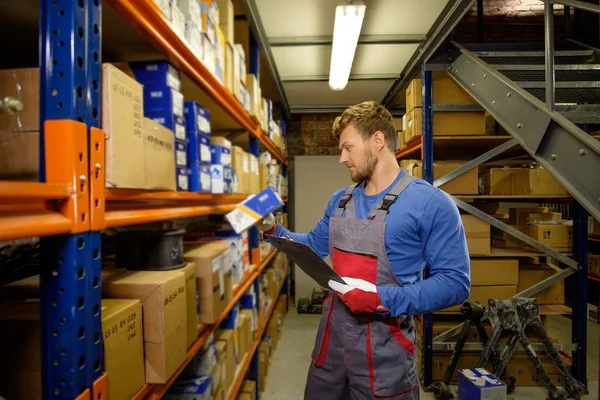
(594, 264)
(254, 210)
(446, 123)
(478, 235)
(530, 275)
(20, 343)
(164, 308)
(213, 272)
(159, 143)
(226, 336)
(491, 272)
(19, 146)
(249, 388)
(557, 236)
(123, 124)
(191, 295)
(238, 158)
(254, 174)
(445, 91)
(467, 183)
(520, 181)
(483, 293)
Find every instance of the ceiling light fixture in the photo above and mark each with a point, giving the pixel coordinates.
(346, 31)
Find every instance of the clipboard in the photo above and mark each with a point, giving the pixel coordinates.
(305, 257)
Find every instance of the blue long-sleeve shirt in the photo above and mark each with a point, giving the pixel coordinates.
(423, 228)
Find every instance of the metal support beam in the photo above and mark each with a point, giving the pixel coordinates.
(538, 287)
(298, 41)
(260, 36)
(441, 28)
(515, 233)
(568, 153)
(334, 109)
(474, 346)
(580, 5)
(549, 52)
(496, 151)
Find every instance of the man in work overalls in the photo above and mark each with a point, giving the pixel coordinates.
(380, 233)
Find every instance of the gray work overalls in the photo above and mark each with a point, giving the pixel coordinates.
(362, 356)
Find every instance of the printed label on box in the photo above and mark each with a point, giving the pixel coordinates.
(177, 103)
(183, 182)
(205, 153)
(180, 131)
(181, 157)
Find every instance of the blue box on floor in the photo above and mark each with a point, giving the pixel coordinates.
(197, 118)
(162, 99)
(478, 384)
(200, 178)
(170, 121)
(181, 150)
(156, 73)
(183, 179)
(199, 149)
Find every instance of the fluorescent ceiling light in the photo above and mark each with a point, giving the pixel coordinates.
(346, 30)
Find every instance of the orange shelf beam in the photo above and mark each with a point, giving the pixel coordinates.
(133, 217)
(33, 191)
(265, 262)
(134, 195)
(157, 391)
(239, 379)
(415, 145)
(147, 18)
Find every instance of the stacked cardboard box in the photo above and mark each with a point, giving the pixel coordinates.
(520, 181)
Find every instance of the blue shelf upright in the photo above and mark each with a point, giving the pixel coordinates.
(70, 295)
(427, 95)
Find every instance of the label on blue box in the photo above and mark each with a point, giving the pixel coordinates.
(183, 179)
(181, 154)
(217, 178)
(170, 121)
(200, 178)
(479, 384)
(159, 73)
(254, 210)
(197, 118)
(220, 155)
(162, 99)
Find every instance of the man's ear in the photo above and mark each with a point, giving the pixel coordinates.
(379, 140)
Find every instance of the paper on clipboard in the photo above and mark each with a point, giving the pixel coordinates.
(307, 260)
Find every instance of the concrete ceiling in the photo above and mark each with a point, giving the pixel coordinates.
(299, 36)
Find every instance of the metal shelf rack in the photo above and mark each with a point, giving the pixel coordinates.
(69, 206)
(551, 140)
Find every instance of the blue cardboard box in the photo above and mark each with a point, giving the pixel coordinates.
(220, 155)
(156, 73)
(254, 209)
(181, 150)
(199, 149)
(200, 178)
(183, 179)
(170, 121)
(231, 320)
(163, 99)
(197, 118)
(479, 384)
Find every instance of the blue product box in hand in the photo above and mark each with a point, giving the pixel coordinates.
(170, 121)
(479, 384)
(197, 119)
(254, 209)
(156, 73)
(183, 179)
(200, 178)
(181, 149)
(163, 99)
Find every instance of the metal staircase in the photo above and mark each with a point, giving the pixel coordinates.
(509, 81)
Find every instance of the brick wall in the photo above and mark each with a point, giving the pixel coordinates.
(310, 134)
(509, 21)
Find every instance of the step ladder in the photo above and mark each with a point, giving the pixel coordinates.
(509, 81)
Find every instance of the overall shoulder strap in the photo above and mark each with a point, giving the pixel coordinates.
(346, 197)
(383, 207)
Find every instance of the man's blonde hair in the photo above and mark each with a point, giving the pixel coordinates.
(367, 117)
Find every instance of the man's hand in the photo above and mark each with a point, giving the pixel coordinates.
(359, 295)
(267, 224)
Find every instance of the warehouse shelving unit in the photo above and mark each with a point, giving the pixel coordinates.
(70, 206)
(544, 131)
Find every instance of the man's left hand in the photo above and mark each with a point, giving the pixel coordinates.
(359, 295)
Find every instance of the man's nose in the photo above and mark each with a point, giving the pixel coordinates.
(343, 157)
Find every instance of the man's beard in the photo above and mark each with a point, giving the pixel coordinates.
(364, 173)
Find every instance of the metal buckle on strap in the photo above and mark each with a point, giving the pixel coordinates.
(344, 200)
(387, 201)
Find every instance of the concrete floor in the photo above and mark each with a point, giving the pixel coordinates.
(289, 365)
